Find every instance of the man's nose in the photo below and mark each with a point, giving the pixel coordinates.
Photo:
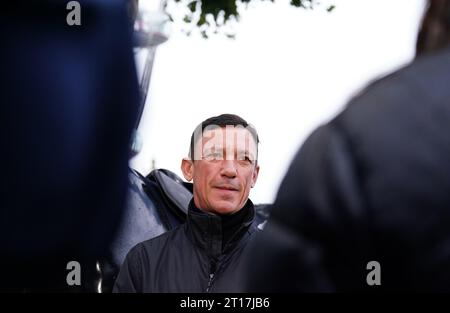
(229, 168)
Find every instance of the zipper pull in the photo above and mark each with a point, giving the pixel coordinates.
(211, 277)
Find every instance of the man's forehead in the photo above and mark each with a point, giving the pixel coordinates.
(217, 139)
(223, 133)
(239, 138)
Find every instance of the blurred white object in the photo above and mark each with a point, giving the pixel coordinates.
(151, 28)
(136, 143)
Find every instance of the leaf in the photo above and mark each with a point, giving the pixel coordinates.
(201, 20)
(192, 6)
(187, 19)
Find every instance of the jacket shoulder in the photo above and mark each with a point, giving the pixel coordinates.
(172, 236)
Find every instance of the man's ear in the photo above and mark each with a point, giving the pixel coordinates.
(187, 167)
(255, 175)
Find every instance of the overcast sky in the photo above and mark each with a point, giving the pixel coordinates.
(288, 71)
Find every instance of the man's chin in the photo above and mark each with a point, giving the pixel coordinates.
(225, 207)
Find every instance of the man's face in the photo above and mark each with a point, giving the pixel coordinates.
(225, 171)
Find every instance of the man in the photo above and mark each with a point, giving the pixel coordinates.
(365, 203)
(206, 253)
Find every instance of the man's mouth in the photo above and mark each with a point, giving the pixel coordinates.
(227, 187)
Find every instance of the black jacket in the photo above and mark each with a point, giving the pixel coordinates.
(205, 254)
(371, 185)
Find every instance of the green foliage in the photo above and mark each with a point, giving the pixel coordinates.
(207, 14)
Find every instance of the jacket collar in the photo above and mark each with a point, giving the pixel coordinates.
(204, 229)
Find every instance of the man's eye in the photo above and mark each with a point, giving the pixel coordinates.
(246, 159)
(213, 156)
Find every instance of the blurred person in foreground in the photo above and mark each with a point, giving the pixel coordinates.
(69, 100)
(365, 203)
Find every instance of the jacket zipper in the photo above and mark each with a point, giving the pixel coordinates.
(213, 266)
(211, 278)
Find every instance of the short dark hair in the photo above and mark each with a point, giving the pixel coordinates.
(434, 32)
(223, 120)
